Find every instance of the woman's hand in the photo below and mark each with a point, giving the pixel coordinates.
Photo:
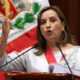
(6, 26)
(4, 35)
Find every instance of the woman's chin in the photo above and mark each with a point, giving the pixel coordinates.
(51, 38)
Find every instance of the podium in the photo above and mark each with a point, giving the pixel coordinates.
(38, 76)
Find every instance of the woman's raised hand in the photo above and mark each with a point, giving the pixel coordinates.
(4, 35)
(6, 26)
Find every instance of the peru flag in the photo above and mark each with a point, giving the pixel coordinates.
(19, 39)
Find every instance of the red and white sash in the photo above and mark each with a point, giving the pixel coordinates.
(49, 55)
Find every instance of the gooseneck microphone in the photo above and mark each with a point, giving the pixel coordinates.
(58, 45)
(51, 68)
(34, 46)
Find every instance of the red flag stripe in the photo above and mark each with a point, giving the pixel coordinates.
(24, 41)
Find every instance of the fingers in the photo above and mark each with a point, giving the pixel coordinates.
(6, 25)
(7, 17)
(8, 22)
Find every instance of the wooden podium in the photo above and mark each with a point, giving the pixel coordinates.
(38, 76)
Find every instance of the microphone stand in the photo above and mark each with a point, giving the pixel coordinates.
(34, 46)
(58, 45)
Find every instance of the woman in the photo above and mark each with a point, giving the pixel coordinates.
(52, 28)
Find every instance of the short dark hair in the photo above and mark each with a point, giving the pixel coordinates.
(65, 37)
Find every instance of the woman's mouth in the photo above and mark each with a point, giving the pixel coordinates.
(49, 32)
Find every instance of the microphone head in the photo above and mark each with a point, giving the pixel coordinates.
(51, 67)
(35, 45)
(58, 44)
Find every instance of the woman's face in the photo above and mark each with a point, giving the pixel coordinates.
(51, 26)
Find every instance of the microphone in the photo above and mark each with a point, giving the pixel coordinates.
(58, 45)
(51, 67)
(34, 46)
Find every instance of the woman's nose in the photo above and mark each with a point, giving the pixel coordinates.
(48, 25)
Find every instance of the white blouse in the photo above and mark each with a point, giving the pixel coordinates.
(29, 62)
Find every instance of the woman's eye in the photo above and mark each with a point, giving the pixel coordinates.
(52, 19)
(43, 22)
